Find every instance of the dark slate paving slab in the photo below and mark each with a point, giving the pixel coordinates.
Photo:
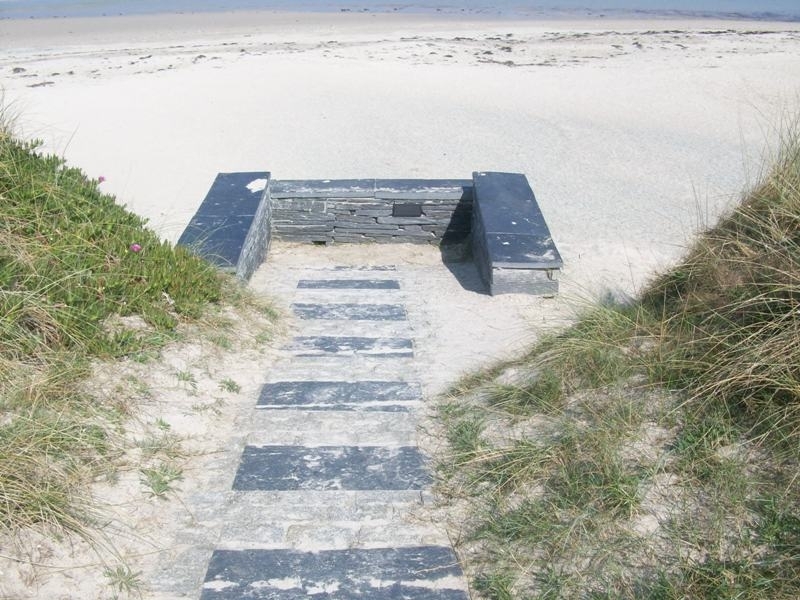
(506, 204)
(523, 251)
(351, 312)
(323, 188)
(349, 284)
(339, 395)
(329, 345)
(290, 468)
(412, 573)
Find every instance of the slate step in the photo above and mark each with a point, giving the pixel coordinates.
(340, 395)
(284, 468)
(343, 346)
(352, 284)
(350, 311)
(411, 573)
(332, 428)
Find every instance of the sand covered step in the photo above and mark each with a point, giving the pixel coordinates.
(284, 468)
(310, 520)
(351, 284)
(332, 428)
(358, 367)
(350, 311)
(353, 328)
(340, 395)
(411, 573)
(343, 346)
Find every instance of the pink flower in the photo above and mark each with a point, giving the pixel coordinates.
(101, 179)
(135, 248)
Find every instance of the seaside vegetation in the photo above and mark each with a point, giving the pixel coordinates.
(82, 282)
(652, 449)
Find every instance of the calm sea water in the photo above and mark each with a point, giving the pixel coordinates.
(752, 9)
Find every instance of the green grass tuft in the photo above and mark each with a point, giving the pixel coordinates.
(75, 289)
(654, 450)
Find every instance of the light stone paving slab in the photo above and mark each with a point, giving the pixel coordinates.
(325, 367)
(332, 428)
(347, 328)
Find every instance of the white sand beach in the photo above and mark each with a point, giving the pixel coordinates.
(633, 134)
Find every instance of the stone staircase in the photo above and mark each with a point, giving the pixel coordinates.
(329, 495)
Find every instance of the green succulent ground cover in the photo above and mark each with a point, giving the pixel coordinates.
(71, 262)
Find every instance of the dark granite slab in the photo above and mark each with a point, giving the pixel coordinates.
(340, 395)
(323, 188)
(411, 573)
(234, 194)
(218, 239)
(329, 345)
(351, 312)
(285, 468)
(506, 204)
(348, 284)
(523, 251)
(231, 228)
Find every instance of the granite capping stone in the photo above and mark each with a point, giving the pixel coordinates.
(231, 228)
(511, 243)
(324, 188)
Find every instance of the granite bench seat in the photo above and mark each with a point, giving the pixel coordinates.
(511, 242)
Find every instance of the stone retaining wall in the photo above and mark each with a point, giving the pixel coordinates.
(369, 210)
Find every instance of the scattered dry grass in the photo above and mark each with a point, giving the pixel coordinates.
(651, 450)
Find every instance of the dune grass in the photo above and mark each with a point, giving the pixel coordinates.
(652, 449)
(81, 280)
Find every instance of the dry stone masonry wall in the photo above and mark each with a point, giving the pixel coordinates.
(370, 210)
